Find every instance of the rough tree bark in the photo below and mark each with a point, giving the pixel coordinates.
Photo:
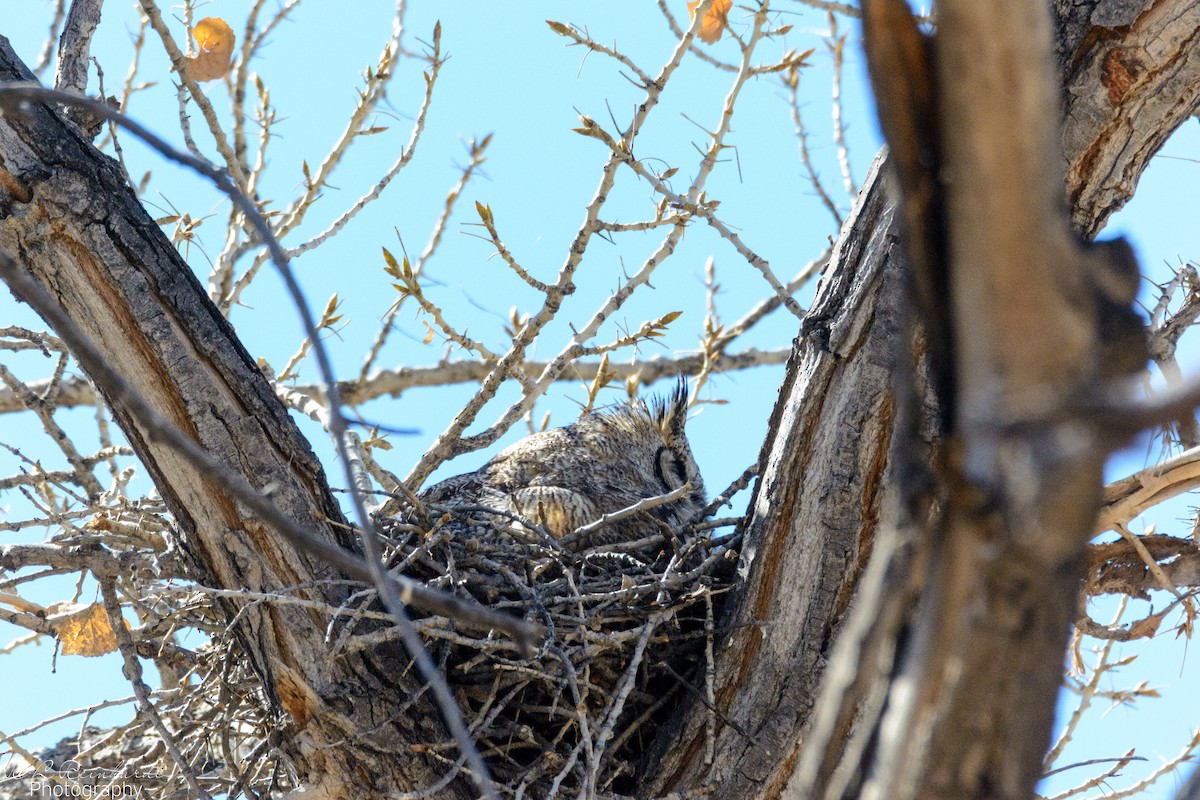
(815, 513)
(68, 216)
(970, 702)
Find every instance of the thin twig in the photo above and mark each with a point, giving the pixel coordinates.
(449, 442)
(393, 599)
(406, 154)
(814, 179)
(179, 62)
(52, 428)
(837, 45)
(133, 673)
(47, 53)
(679, 34)
(584, 531)
(583, 39)
(477, 148)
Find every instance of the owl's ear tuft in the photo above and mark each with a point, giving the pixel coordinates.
(670, 412)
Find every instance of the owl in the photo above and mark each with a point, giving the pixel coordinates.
(608, 460)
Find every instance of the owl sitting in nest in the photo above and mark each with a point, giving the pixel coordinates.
(565, 478)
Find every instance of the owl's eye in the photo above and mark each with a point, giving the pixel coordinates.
(680, 470)
(669, 469)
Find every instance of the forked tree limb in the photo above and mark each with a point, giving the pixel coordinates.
(978, 667)
(78, 230)
(815, 513)
(1130, 496)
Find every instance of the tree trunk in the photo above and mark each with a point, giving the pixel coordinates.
(71, 220)
(814, 516)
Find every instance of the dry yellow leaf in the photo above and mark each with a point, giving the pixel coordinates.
(214, 40)
(714, 21)
(85, 632)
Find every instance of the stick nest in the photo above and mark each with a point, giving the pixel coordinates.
(628, 627)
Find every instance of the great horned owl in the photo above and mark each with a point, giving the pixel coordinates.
(606, 461)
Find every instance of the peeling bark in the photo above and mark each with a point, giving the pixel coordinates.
(805, 573)
(69, 218)
(812, 519)
(1129, 83)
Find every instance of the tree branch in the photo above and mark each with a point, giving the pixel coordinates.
(782, 618)
(82, 232)
(1128, 497)
(75, 45)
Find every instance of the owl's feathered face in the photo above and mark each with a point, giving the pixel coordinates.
(605, 462)
(674, 464)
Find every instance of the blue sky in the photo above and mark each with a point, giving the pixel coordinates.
(510, 76)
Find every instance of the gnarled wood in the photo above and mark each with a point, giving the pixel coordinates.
(805, 574)
(72, 221)
(809, 518)
(1130, 81)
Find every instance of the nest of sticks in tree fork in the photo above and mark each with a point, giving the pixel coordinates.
(598, 533)
(628, 629)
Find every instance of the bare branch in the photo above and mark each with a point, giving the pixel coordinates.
(793, 83)
(133, 673)
(570, 32)
(837, 45)
(449, 443)
(839, 8)
(584, 531)
(1134, 567)
(76, 392)
(476, 149)
(74, 48)
(47, 53)
(52, 428)
(179, 62)
(93, 362)
(1127, 498)
(406, 155)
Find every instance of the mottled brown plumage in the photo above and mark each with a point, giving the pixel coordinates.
(608, 460)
